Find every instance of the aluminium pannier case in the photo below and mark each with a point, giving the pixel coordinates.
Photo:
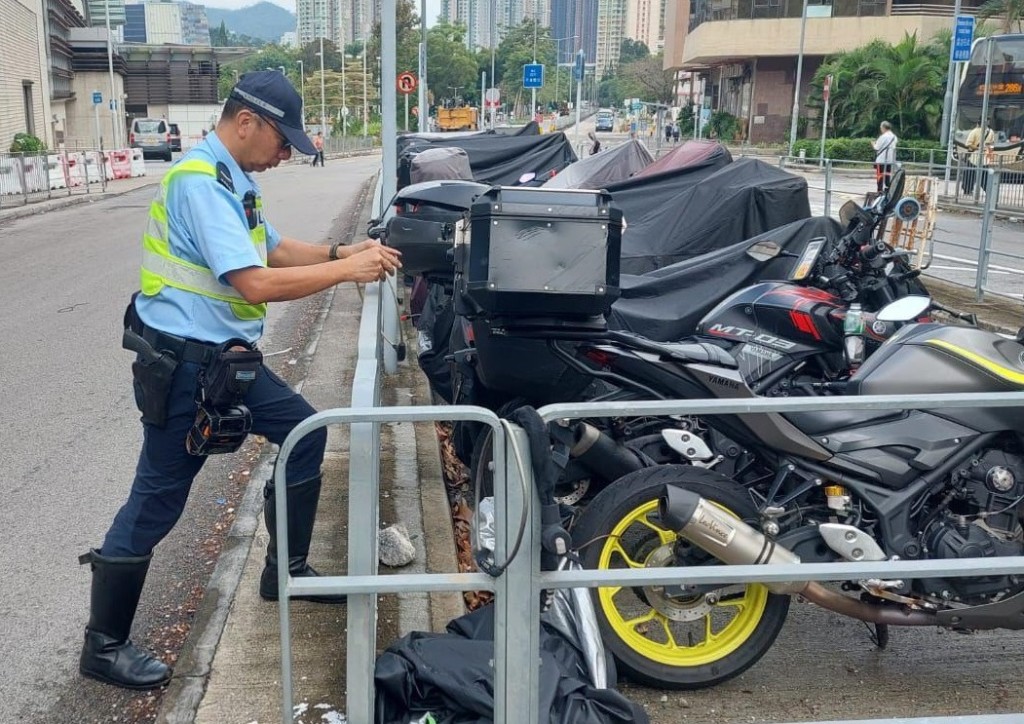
(538, 252)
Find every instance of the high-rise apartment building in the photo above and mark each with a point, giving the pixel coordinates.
(96, 13)
(645, 22)
(166, 23)
(322, 18)
(611, 29)
(574, 26)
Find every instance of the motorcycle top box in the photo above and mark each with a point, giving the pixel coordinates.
(538, 252)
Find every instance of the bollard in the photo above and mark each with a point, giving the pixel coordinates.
(991, 199)
(828, 187)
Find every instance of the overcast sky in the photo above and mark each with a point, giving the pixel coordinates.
(433, 6)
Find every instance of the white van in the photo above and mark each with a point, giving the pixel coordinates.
(153, 136)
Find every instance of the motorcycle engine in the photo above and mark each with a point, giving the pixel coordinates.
(983, 519)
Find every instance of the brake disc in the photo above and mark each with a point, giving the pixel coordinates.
(674, 608)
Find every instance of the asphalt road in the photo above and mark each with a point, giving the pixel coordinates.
(71, 437)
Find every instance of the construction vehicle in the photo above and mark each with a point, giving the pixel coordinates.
(463, 118)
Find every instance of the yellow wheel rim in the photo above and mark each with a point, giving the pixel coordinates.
(710, 637)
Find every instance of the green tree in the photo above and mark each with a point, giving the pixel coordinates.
(451, 67)
(902, 83)
(1010, 13)
(631, 50)
(219, 37)
(647, 80)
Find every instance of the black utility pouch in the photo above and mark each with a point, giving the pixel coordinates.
(229, 375)
(152, 383)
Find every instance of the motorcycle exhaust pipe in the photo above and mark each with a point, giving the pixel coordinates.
(601, 454)
(732, 541)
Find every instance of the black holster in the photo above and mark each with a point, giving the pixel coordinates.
(152, 371)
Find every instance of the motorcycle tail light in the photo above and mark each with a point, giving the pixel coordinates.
(600, 357)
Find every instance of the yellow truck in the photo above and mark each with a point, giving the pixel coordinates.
(457, 119)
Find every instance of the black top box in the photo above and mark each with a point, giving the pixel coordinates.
(538, 252)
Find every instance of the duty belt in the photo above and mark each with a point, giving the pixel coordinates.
(184, 350)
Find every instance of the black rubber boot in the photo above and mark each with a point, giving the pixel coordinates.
(108, 655)
(302, 501)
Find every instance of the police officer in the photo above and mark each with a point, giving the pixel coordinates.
(211, 262)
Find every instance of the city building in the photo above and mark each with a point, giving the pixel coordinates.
(645, 22)
(166, 22)
(289, 39)
(574, 27)
(96, 13)
(611, 29)
(746, 51)
(340, 21)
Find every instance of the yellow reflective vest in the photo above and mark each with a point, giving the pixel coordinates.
(161, 268)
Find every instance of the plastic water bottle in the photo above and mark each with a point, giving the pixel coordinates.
(853, 329)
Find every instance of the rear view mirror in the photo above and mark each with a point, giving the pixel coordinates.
(906, 309)
(848, 212)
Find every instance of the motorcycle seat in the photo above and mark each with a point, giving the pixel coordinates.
(700, 352)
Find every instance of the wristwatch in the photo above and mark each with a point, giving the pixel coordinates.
(333, 253)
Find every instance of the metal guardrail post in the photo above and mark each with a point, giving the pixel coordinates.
(991, 198)
(390, 327)
(363, 497)
(24, 181)
(517, 613)
(828, 187)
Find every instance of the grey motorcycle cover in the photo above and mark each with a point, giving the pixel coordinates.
(597, 171)
(673, 217)
(666, 304)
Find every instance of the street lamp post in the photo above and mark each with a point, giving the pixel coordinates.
(366, 116)
(114, 104)
(302, 91)
(323, 96)
(799, 70)
(344, 97)
(422, 99)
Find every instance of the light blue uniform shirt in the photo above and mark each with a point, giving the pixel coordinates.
(207, 226)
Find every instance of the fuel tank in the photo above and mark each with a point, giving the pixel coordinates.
(935, 358)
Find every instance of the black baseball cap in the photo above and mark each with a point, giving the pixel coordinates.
(269, 94)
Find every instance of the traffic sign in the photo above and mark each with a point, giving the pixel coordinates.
(637, 105)
(533, 75)
(406, 83)
(97, 98)
(492, 98)
(963, 36)
(578, 67)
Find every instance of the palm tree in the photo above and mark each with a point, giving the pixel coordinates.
(1010, 11)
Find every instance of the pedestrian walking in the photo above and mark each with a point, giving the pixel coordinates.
(675, 133)
(668, 131)
(210, 264)
(885, 156)
(318, 146)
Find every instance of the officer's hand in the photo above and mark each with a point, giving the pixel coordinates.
(374, 263)
(365, 244)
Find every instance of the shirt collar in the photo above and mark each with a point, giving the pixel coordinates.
(221, 154)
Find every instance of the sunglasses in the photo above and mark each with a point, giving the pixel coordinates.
(286, 145)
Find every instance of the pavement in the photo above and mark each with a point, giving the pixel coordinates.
(229, 670)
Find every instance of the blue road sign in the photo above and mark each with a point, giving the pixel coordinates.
(577, 70)
(533, 75)
(97, 98)
(963, 36)
(637, 105)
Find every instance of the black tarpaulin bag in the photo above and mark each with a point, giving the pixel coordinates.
(451, 676)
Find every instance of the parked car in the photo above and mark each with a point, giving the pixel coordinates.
(175, 137)
(153, 136)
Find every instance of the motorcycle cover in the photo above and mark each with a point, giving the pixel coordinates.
(450, 675)
(495, 158)
(666, 304)
(439, 164)
(601, 169)
(681, 217)
(691, 154)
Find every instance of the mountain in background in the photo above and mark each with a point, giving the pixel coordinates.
(263, 20)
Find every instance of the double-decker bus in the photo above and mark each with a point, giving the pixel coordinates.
(1005, 90)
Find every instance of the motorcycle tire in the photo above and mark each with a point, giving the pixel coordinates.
(677, 641)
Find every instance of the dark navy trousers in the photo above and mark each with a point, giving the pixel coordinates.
(164, 475)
